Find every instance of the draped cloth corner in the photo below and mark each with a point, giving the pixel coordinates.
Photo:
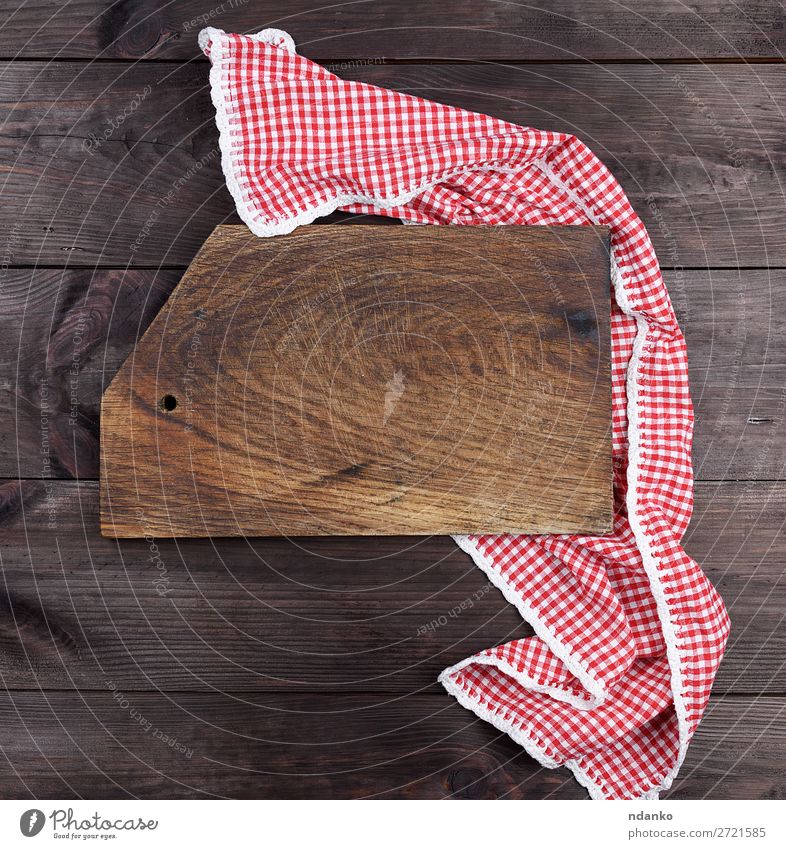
(629, 632)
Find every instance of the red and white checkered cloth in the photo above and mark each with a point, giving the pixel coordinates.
(629, 630)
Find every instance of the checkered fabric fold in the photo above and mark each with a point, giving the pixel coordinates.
(629, 632)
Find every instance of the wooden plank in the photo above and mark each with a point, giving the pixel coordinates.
(123, 166)
(733, 322)
(737, 535)
(64, 335)
(149, 745)
(386, 614)
(738, 751)
(367, 381)
(409, 29)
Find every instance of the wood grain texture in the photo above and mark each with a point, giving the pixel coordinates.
(370, 380)
(384, 614)
(698, 149)
(184, 745)
(63, 336)
(403, 29)
(733, 321)
(122, 167)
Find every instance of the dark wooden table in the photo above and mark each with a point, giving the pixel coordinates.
(306, 668)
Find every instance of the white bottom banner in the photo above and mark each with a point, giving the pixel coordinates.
(381, 824)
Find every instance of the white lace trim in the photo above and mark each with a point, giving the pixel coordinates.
(573, 663)
(220, 96)
(635, 448)
(524, 737)
(560, 693)
(649, 562)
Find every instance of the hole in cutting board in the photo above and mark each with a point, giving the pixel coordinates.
(168, 403)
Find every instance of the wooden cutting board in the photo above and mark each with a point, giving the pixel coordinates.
(369, 380)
